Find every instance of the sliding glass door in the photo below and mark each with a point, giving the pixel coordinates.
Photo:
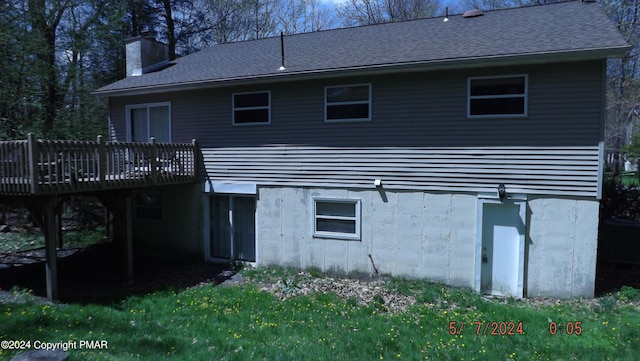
(149, 120)
(233, 228)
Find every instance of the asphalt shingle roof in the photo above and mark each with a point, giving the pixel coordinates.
(576, 28)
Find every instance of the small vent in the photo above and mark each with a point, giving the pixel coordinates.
(472, 13)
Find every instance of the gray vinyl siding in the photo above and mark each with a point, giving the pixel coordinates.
(419, 136)
(523, 170)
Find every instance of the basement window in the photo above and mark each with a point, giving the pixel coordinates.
(148, 206)
(336, 218)
(498, 96)
(348, 103)
(252, 108)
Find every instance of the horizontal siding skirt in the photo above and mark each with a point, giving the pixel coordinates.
(408, 179)
(440, 158)
(408, 173)
(559, 163)
(383, 150)
(461, 187)
(452, 183)
(382, 158)
(533, 170)
(471, 168)
(551, 170)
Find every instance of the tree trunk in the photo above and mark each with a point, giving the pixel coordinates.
(52, 94)
(171, 28)
(45, 52)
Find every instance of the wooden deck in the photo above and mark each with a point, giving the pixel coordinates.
(40, 167)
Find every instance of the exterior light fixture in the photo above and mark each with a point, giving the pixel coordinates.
(377, 183)
(502, 192)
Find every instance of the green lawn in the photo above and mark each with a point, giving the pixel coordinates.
(244, 322)
(16, 241)
(629, 179)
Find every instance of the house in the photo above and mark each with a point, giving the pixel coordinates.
(466, 150)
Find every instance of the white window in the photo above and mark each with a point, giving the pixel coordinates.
(498, 96)
(252, 108)
(149, 120)
(336, 218)
(347, 103)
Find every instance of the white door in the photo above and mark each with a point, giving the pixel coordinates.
(502, 249)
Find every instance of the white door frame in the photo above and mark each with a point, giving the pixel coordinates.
(518, 200)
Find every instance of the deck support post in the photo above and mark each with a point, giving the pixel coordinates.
(51, 241)
(196, 160)
(101, 155)
(128, 238)
(153, 161)
(32, 153)
(121, 207)
(58, 215)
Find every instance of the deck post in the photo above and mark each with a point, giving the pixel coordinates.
(59, 238)
(32, 146)
(102, 161)
(128, 237)
(153, 162)
(50, 241)
(196, 159)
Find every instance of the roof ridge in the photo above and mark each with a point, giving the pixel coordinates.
(560, 31)
(391, 23)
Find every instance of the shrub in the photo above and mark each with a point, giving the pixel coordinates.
(629, 294)
(618, 200)
(606, 303)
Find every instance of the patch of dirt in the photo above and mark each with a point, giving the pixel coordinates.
(363, 292)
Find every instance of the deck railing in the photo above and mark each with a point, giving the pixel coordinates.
(36, 166)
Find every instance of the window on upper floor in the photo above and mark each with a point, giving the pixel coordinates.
(252, 108)
(497, 96)
(347, 103)
(149, 120)
(336, 218)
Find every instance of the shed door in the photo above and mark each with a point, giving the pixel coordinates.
(502, 250)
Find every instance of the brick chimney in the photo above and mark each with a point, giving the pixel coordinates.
(145, 55)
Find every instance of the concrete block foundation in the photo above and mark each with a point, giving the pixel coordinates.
(431, 236)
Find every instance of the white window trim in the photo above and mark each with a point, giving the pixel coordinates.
(485, 116)
(128, 109)
(233, 109)
(338, 235)
(369, 102)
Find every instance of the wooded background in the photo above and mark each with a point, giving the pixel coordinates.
(55, 52)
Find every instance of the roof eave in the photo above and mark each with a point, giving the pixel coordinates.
(389, 68)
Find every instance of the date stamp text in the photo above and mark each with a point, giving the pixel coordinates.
(487, 328)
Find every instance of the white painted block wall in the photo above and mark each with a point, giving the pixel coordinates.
(429, 235)
(562, 247)
(409, 234)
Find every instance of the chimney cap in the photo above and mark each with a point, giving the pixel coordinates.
(142, 37)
